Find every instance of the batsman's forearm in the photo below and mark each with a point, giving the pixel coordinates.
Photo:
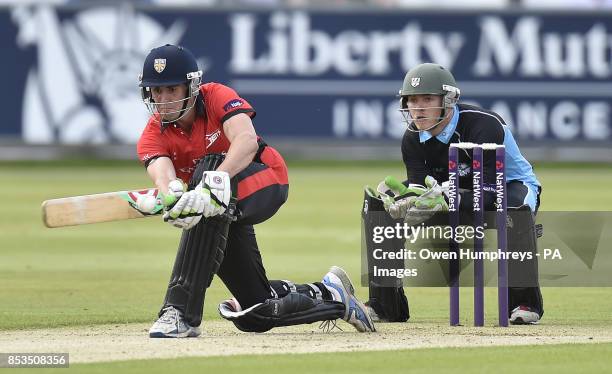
(240, 154)
(162, 172)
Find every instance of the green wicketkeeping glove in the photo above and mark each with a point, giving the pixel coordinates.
(423, 207)
(433, 198)
(397, 197)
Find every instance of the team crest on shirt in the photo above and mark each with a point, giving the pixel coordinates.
(159, 64)
(234, 103)
(415, 82)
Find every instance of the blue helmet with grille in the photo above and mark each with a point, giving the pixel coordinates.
(170, 65)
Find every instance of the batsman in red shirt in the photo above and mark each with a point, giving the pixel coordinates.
(217, 179)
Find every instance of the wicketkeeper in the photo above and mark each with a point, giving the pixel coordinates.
(429, 104)
(202, 135)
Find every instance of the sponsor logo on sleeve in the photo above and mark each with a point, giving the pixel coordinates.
(148, 156)
(233, 104)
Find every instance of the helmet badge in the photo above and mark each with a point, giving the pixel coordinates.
(159, 64)
(415, 82)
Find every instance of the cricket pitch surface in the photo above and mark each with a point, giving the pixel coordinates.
(219, 338)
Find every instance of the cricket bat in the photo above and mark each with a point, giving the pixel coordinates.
(103, 207)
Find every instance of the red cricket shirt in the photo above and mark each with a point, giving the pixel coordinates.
(220, 103)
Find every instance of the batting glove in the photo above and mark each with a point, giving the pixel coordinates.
(182, 209)
(215, 190)
(187, 211)
(176, 188)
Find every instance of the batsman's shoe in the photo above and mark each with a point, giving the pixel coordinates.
(523, 315)
(356, 313)
(172, 325)
(373, 315)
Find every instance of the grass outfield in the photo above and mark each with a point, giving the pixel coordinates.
(569, 358)
(117, 272)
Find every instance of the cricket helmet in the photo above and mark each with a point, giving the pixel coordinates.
(170, 65)
(428, 79)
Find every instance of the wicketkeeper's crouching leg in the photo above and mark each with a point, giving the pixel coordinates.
(525, 302)
(387, 301)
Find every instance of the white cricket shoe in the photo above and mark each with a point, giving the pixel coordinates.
(373, 315)
(356, 313)
(523, 315)
(172, 325)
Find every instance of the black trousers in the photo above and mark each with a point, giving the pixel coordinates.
(262, 189)
(529, 296)
(242, 269)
